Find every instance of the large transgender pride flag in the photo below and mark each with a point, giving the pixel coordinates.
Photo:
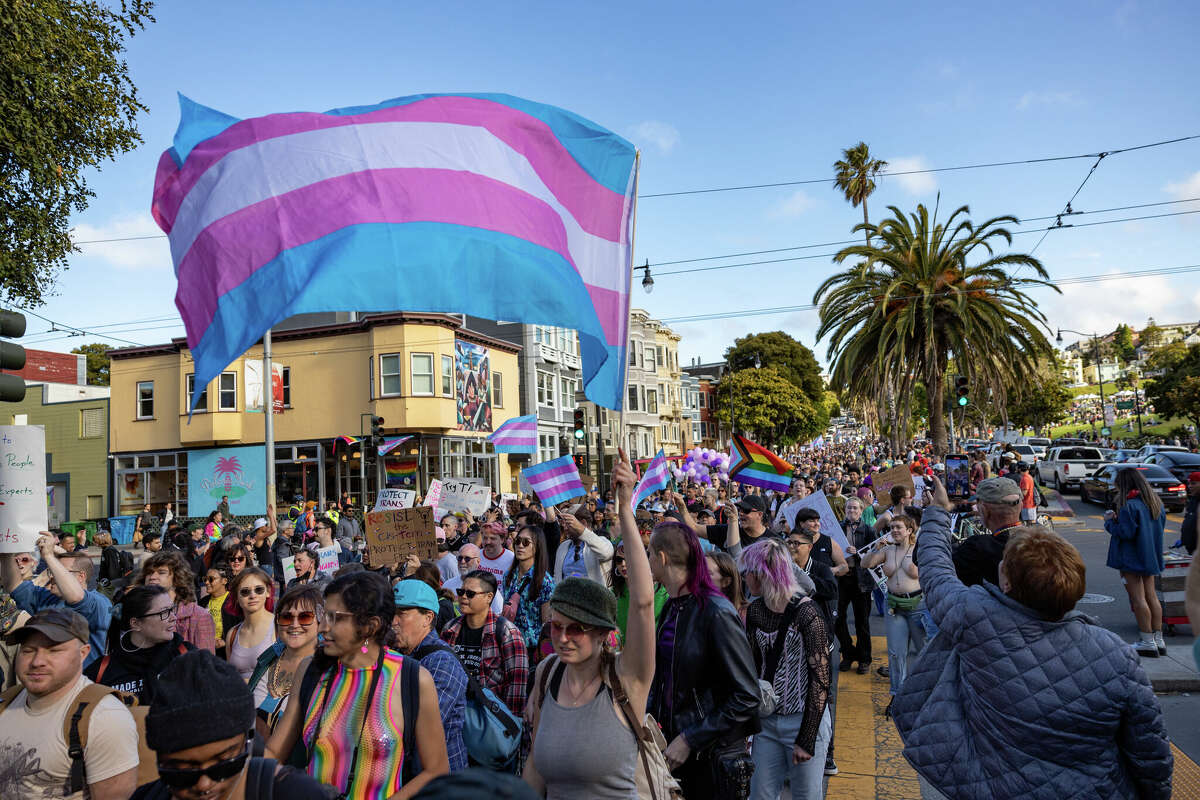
(483, 204)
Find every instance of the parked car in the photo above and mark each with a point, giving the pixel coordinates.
(1100, 488)
(1123, 454)
(1066, 467)
(1151, 449)
(1039, 444)
(1070, 440)
(1178, 464)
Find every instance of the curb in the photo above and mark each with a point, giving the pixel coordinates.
(1191, 684)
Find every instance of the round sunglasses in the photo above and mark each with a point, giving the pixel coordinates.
(246, 591)
(296, 618)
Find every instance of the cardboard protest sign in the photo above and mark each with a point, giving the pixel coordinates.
(829, 524)
(327, 560)
(289, 569)
(882, 482)
(394, 498)
(434, 494)
(396, 534)
(22, 487)
(458, 495)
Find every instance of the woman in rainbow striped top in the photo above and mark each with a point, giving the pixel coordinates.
(348, 722)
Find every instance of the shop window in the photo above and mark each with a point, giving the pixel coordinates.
(145, 400)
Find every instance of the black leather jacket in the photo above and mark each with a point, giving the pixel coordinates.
(714, 685)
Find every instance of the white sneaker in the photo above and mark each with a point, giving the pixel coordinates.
(1159, 643)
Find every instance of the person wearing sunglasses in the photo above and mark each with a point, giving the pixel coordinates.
(579, 690)
(253, 592)
(491, 648)
(298, 616)
(468, 561)
(528, 585)
(216, 592)
(142, 645)
(200, 729)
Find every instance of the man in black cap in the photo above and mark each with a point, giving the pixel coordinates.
(752, 515)
(978, 558)
(201, 726)
(51, 648)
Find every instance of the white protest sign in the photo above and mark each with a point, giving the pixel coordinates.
(289, 569)
(829, 524)
(434, 494)
(391, 499)
(327, 560)
(22, 487)
(464, 496)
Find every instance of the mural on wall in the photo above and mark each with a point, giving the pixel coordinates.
(233, 472)
(473, 386)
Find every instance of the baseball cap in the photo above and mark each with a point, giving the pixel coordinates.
(261, 522)
(998, 490)
(56, 624)
(752, 502)
(415, 593)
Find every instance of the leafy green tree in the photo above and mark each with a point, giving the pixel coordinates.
(66, 105)
(1175, 393)
(928, 290)
(791, 359)
(854, 175)
(1151, 336)
(1041, 403)
(1167, 357)
(1185, 399)
(770, 406)
(1123, 343)
(97, 362)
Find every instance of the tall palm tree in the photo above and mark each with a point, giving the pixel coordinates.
(855, 175)
(914, 301)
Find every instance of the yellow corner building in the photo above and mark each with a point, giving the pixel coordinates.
(426, 375)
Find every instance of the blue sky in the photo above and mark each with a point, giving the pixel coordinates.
(722, 95)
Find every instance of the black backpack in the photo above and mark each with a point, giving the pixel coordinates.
(126, 565)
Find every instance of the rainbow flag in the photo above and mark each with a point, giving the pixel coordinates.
(400, 470)
(346, 440)
(298, 212)
(756, 465)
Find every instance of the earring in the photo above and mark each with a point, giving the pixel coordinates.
(364, 647)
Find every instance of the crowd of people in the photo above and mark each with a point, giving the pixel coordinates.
(687, 647)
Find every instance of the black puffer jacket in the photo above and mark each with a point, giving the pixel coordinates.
(716, 704)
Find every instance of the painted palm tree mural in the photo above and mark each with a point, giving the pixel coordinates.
(229, 467)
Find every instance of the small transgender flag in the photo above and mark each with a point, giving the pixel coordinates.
(655, 478)
(518, 435)
(391, 444)
(554, 481)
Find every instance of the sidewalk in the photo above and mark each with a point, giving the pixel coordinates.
(1174, 672)
(869, 752)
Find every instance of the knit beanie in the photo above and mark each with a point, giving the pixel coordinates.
(198, 699)
(585, 601)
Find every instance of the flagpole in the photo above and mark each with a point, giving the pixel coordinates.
(268, 401)
(637, 168)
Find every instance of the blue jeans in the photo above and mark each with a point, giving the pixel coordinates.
(907, 632)
(772, 754)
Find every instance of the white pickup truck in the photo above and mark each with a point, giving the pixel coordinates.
(1066, 466)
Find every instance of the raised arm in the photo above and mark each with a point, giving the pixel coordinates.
(637, 658)
(72, 593)
(945, 594)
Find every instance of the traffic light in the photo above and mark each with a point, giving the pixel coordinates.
(961, 391)
(12, 357)
(580, 462)
(376, 431)
(579, 424)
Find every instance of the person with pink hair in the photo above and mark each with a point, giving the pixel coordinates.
(789, 640)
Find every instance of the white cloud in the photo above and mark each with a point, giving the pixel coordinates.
(134, 253)
(796, 204)
(923, 183)
(1187, 188)
(1100, 306)
(1048, 98)
(661, 135)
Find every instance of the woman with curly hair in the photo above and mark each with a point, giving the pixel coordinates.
(192, 622)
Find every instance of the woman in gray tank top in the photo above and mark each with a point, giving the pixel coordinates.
(573, 703)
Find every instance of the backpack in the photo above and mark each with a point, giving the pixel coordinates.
(410, 698)
(125, 564)
(75, 732)
(491, 732)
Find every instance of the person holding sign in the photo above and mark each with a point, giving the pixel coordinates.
(69, 576)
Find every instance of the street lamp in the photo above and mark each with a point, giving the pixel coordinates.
(647, 281)
(1099, 366)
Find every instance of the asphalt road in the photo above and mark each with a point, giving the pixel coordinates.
(1181, 710)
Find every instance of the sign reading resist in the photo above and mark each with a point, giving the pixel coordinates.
(396, 534)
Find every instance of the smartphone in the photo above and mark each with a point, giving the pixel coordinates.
(957, 476)
(574, 510)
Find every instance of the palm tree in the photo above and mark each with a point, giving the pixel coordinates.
(228, 466)
(915, 302)
(855, 176)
